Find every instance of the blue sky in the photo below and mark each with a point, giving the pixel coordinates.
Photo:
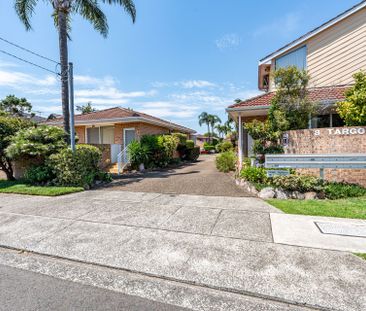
(180, 58)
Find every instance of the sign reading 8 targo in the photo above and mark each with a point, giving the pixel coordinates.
(342, 131)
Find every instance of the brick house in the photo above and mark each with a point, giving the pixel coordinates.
(113, 129)
(331, 53)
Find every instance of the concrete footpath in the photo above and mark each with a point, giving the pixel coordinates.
(222, 244)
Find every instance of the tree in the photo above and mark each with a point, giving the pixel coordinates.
(203, 118)
(353, 109)
(220, 129)
(88, 108)
(8, 127)
(62, 12)
(291, 107)
(16, 107)
(213, 120)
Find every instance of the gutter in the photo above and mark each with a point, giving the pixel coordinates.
(128, 120)
(247, 108)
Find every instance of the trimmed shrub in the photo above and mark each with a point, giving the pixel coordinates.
(208, 147)
(224, 146)
(190, 144)
(193, 154)
(334, 190)
(76, 169)
(254, 174)
(41, 174)
(225, 162)
(182, 138)
(302, 183)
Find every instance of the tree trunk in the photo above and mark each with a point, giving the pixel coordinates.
(5, 166)
(62, 31)
(208, 132)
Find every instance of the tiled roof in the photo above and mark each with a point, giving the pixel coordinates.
(321, 94)
(118, 113)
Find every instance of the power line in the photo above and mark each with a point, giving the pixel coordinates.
(28, 62)
(29, 51)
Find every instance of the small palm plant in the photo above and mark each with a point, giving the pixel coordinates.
(62, 12)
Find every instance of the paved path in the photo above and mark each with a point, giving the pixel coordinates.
(224, 244)
(200, 178)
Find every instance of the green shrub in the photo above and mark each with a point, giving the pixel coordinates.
(138, 153)
(190, 144)
(225, 162)
(301, 183)
(38, 175)
(76, 169)
(224, 146)
(37, 142)
(334, 190)
(193, 154)
(168, 143)
(208, 147)
(215, 141)
(182, 138)
(254, 174)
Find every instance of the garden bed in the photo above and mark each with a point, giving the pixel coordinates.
(22, 188)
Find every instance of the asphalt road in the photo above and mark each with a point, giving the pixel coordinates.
(201, 178)
(22, 290)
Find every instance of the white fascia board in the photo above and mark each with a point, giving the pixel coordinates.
(128, 120)
(314, 33)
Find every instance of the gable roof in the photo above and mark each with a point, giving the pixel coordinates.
(319, 94)
(120, 115)
(314, 32)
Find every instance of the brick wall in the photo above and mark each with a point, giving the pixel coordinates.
(80, 132)
(330, 141)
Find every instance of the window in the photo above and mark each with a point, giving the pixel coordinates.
(100, 135)
(93, 135)
(295, 58)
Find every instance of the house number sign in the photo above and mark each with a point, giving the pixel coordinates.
(343, 131)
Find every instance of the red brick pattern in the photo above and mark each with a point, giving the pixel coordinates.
(320, 141)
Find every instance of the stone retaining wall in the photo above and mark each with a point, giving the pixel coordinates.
(330, 141)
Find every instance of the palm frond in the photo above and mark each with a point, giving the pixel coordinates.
(90, 10)
(25, 10)
(128, 6)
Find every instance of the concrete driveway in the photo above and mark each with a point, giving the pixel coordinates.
(197, 252)
(200, 177)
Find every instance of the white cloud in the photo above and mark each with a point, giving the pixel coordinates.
(228, 41)
(283, 26)
(186, 84)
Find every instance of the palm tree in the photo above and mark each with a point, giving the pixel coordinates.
(221, 129)
(62, 11)
(213, 120)
(203, 118)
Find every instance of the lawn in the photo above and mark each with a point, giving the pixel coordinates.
(344, 208)
(363, 256)
(21, 188)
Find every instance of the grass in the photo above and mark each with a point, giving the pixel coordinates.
(343, 208)
(21, 188)
(363, 256)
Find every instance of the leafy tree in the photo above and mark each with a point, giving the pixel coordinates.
(220, 129)
(291, 107)
(16, 107)
(266, 140)
(36, 142)
(213, 120)
(88, 108)
(353, 109)
(8, 127)
(62, 14)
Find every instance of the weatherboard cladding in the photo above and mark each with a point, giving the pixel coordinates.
(322, 94)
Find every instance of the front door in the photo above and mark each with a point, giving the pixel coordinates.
(128, 136)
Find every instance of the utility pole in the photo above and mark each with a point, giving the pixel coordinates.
(72, 121)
